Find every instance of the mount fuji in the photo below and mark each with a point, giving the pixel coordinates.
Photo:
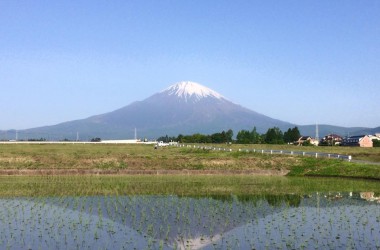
(183, 108)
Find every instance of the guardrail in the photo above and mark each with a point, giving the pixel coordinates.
(272, 151)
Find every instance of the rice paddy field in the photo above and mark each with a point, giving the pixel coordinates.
(93, 204)
(182, 212)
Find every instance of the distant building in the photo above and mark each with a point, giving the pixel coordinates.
(375, 140)
(304, 139)
(314, 142)
(358, 141)
(332, 140)
(375, 137)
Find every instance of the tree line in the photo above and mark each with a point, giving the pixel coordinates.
(222, 137)
(272, 136)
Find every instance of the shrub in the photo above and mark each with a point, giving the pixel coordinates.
(376, 143)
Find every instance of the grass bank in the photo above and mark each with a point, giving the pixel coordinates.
(79, 159)
(199, 185)
(335, 168)
(132, 157)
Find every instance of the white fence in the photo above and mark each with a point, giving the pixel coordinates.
(271, 151)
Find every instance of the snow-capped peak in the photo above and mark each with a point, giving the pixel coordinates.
(191, 89)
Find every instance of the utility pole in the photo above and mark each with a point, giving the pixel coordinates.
(316, 132)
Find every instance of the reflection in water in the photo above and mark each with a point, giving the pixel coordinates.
(329, 220)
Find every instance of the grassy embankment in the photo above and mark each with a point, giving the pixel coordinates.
(35, 159)
(62, 166)
(194, 185)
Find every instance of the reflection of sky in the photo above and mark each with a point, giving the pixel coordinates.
(173, 222)
(33, 225)
(348, 227)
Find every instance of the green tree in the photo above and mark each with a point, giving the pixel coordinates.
(274, 136)
(200, 138)
(180, 138)
(223, 137)
(255, 137)
(229, 135)
(307, 143)
(292, 135)
(166, 138)
(243, 137)
(217, 138)
(248, 137)
(376, 143)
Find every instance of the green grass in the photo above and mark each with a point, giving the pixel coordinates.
(200, 185)
(118, 158)
(334, 168)
(132, 157)
(364, 154)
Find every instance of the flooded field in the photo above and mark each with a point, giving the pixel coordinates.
(328, 220)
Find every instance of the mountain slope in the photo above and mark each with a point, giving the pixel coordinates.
(329, 129)
(185, 107)
(182, 108)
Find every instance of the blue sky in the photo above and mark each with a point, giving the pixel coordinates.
(298, 61)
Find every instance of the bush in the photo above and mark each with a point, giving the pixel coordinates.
(307, 143)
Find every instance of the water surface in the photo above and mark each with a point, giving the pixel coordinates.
(328, 220)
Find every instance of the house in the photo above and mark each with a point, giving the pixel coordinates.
(303, 139)
(374, 137)
(332, 139)
(314, 142)
(359, 140)
(307, 139)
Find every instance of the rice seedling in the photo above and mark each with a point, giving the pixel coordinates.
(216, 220)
